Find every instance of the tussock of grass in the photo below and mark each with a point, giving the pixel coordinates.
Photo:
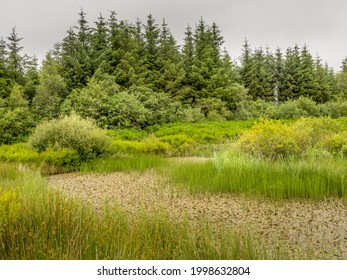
(49, 225)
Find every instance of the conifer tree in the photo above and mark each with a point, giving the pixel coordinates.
(4, 76)
(171, 74)
(31, 77)
(14, 59)
(278, 71)
(151, 61)
(76, 60)
(322, 87)
(306, 77)
(341, 80)
(217, 42)
(99, 43)
(344, 65)
(246, 64)
(188, 52)
(291, 81)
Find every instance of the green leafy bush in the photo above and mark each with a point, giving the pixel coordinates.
(50, 161)
(273, 139)
(314, 130)
(71, 132)
(267, 139)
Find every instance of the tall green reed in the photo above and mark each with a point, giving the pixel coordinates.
(281, 179)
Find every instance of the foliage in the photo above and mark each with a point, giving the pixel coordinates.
(148, 146)
(50, 91)
(16, 120)
(267, 139)
(134, 75)
(274, 139)
(51, 225)
(9, 207)
(71, 132)
(49, 161)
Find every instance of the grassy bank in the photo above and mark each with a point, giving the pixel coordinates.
(37, 223)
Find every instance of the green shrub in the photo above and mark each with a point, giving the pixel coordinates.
(192, 115)
(130, 134)
(53, 161)
(15, 125)
(19, 152)
(335, 109)
(64, 157)
(336, 143)
(180, 142)
(71, 132)
(310, 133)
(125, 111)
(274, 139)
(267, 139)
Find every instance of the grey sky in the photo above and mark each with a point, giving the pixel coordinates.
(322, 25)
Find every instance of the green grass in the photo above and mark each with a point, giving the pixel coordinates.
(139, 163)
(48, 225)
(343, 122)
(296, 178)
(178, 139)
(204, 132)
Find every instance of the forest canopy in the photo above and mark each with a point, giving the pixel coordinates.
(124, 74)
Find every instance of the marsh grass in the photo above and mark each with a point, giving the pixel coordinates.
(139, 163)
(282, 179)
(49, 225)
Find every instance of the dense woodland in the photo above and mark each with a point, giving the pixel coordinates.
(124, 74)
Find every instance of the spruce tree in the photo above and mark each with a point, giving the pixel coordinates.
(76, 61)
(31, 77)
(344, 65)
(306, 77)
(188, 52)
(99, 43)
(14, 58)
(4, 75)
(341, 80)
(151, 61)
(322, 87)
(247, 67)
(292, 73)
(278, 72)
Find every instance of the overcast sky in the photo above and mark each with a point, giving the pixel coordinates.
(321, 24)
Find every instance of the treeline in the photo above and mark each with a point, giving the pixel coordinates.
(126, 74)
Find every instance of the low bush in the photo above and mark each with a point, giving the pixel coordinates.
(273, 139)
(50, 161)
(267, 139)
(312, 132)
(71, 132)
(130, 134)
